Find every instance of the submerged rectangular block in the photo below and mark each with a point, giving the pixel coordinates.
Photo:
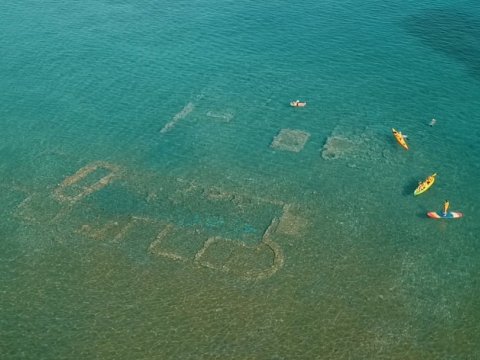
(178, 243)
(87, 180)
(290, 140)
(222, 116)
(337, 147)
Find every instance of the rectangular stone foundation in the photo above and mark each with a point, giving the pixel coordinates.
(290, 140)
(177, 243)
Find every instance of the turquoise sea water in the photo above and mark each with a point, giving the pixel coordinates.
(153, 208)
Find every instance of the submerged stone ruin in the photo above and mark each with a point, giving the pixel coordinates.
(338, 147)
(354, 145)
(221, 116)
(290, 140)
(204, 226)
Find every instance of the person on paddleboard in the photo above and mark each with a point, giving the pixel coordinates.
(446, 205)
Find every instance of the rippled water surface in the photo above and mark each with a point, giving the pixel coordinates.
(160, 199)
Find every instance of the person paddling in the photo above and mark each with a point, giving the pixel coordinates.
(445, 213)
(298, 103)
(446, 205)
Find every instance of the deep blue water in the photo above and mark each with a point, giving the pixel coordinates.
(161, 199)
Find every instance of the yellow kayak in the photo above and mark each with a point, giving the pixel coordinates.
(400, 138)
(425, 185)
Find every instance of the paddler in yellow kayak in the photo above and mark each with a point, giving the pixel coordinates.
(425, 185)
(400, 138)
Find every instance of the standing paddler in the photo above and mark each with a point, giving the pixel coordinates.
(446, 205)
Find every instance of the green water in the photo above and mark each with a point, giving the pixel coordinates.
(160, 199)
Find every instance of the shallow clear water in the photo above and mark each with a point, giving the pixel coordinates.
(152, 206)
